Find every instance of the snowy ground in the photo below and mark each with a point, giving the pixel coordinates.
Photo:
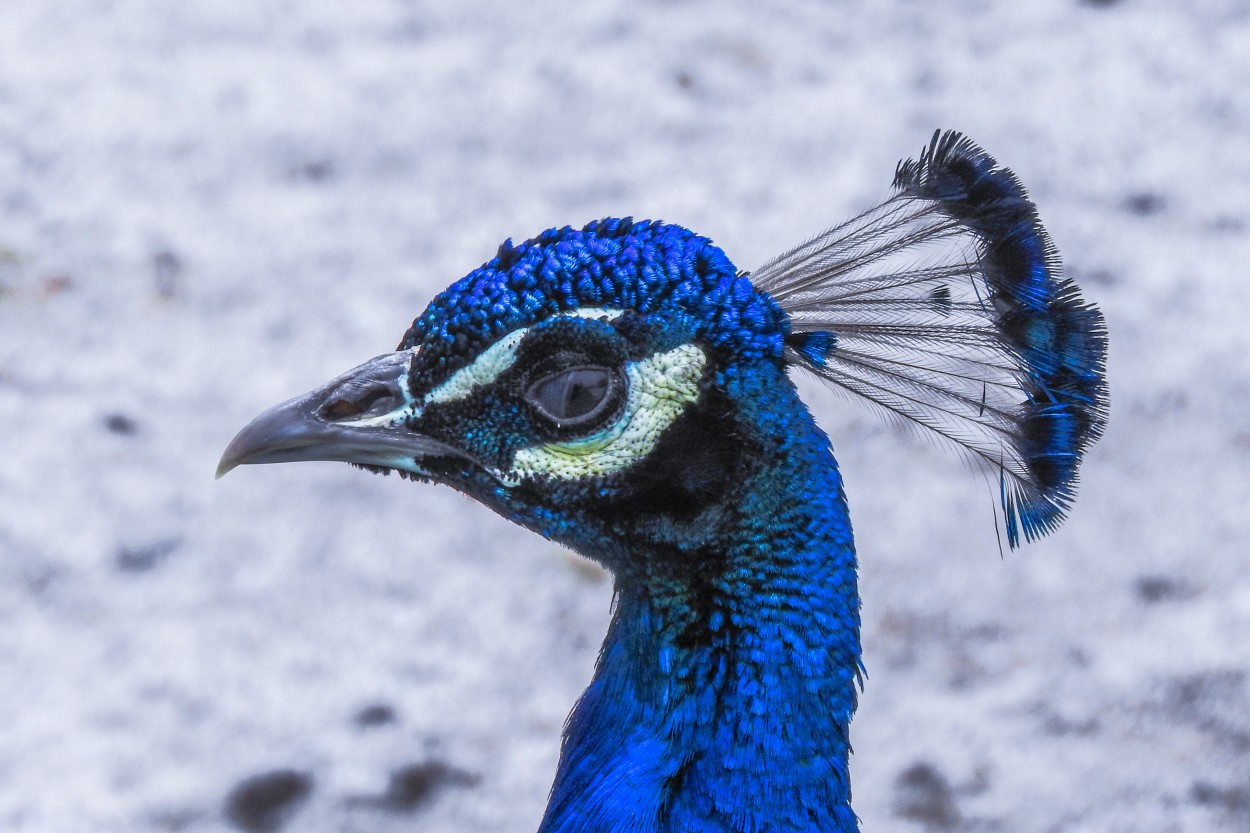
(208, 206)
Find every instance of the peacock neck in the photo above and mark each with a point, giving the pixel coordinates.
(725, 686)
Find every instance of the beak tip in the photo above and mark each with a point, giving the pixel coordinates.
(228, 463)
(297, 430)
(235, 455)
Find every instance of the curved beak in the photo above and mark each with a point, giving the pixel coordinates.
(360, 417)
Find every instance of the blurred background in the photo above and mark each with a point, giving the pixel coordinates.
(209, 206)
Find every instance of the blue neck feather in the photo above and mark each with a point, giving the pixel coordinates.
(724, 691)
(725, 687)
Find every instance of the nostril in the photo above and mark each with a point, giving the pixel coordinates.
(341, 409)
(372, 401)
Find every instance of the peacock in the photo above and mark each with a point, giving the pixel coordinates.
(624, 390)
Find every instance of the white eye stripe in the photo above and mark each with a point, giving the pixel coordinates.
(485, 369)
(496, 359)
(660, 388)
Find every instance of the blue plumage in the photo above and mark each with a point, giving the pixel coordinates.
(646, 267)
(624, 389)
(984, 342)
(1040, 315)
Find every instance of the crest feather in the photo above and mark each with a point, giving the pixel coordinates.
(947, 306)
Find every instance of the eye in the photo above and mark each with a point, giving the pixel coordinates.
(576, 396)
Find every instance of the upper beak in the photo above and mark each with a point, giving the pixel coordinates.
(357, 418)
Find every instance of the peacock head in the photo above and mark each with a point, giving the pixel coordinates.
(588, 384)
(623, 384)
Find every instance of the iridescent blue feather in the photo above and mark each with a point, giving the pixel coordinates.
(947, 306)
(690, 467)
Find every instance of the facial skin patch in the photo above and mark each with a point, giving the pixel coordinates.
(660, 388)
(496, 359)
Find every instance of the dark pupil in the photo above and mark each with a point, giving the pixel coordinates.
(574, 393)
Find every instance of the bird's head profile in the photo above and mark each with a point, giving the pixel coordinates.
(593, 385)
(623, 389)
(613, 385)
